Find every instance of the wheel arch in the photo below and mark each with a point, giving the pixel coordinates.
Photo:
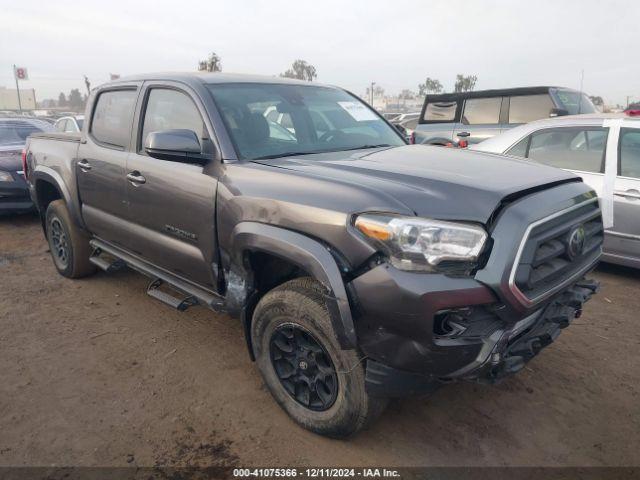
(251, 240)
(49, 186)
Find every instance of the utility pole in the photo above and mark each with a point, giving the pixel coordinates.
(17, 89)
(580, 97)
(372, 84)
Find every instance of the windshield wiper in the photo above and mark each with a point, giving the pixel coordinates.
(295, 154)
(287, 154)
(364, 147)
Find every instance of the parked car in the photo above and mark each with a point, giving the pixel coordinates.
(403, 117)
(579, 144)
(390, 116)
(14, 194)
(407, 127)
(475, 116)
(361, 268)
(70, 124)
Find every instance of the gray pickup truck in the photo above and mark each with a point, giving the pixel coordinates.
(361, 268)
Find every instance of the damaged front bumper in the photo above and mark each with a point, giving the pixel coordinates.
(516, 346)
(501, 352)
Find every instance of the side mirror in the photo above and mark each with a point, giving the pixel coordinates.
(558, 112)
(178, 145)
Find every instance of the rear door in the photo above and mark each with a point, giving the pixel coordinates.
(624, 238)
(480, 120)
(438, 122)
(101, 163)
(172, 208)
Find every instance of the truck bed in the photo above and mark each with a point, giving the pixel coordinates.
(65, 137)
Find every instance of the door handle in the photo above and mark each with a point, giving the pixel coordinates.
(635, 194)
(84, 165)
(135, 178)
(463, 134)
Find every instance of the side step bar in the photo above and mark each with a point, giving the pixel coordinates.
(194, 294)
(104, 264)
(153, 290)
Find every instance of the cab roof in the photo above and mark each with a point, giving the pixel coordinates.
(212, 78)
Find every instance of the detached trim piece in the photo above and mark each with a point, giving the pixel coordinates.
(522, 298)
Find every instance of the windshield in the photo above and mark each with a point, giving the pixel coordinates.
(574, 102)
(15, 132)
(272, 120)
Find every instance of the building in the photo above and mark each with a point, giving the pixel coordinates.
(9, 98)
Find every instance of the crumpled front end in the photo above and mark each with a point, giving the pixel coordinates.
(420, 330)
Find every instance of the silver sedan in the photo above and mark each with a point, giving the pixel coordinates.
(584, 144)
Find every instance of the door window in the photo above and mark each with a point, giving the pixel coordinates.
(630, 152)
(61, 126)
(527, 108)
(168, 110)
(441, 112)
(571, 148)
(482, 111)
(70, 127)
(112, 117)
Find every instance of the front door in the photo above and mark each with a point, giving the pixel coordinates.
(101, 165)
(172, 203)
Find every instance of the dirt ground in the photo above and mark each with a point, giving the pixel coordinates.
(95, 372)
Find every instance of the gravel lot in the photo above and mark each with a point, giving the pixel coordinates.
(95, 372)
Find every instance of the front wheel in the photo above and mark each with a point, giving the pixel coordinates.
(68, 244)
(319, 385)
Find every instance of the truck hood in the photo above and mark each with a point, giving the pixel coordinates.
(431, 181)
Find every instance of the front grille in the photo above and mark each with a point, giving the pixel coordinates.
(551, 253)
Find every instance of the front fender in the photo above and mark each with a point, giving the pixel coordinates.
(308, 254)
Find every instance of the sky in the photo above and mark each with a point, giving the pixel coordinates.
(396, 44)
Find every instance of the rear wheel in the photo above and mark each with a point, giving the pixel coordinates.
(319, 385)
(69, 245)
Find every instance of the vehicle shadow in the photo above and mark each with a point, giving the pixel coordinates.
(619, 270)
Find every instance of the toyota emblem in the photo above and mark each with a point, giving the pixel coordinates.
(575, 245)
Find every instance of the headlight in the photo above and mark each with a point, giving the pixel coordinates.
(5, 177)
(419, 244)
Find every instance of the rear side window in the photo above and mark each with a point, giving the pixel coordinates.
(171, 109)
(482, 111)
(630, 152)
(571, 148)
(441, 112)
(527, 108)
(112, 117)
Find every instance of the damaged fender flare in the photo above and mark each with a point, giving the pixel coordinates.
(309, 255)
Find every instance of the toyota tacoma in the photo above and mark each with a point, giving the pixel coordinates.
(360, 267)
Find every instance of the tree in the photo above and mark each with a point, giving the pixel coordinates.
(62, 100)
(378, 91)
(596, 100)
(406, 94)
(212, 64)
(75, 99)
(430, 85)
(301, 70)
(465, 83)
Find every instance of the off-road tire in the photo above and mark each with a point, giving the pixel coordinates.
(301, 302)
(58, 223)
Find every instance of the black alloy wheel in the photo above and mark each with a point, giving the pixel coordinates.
(304, 367)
